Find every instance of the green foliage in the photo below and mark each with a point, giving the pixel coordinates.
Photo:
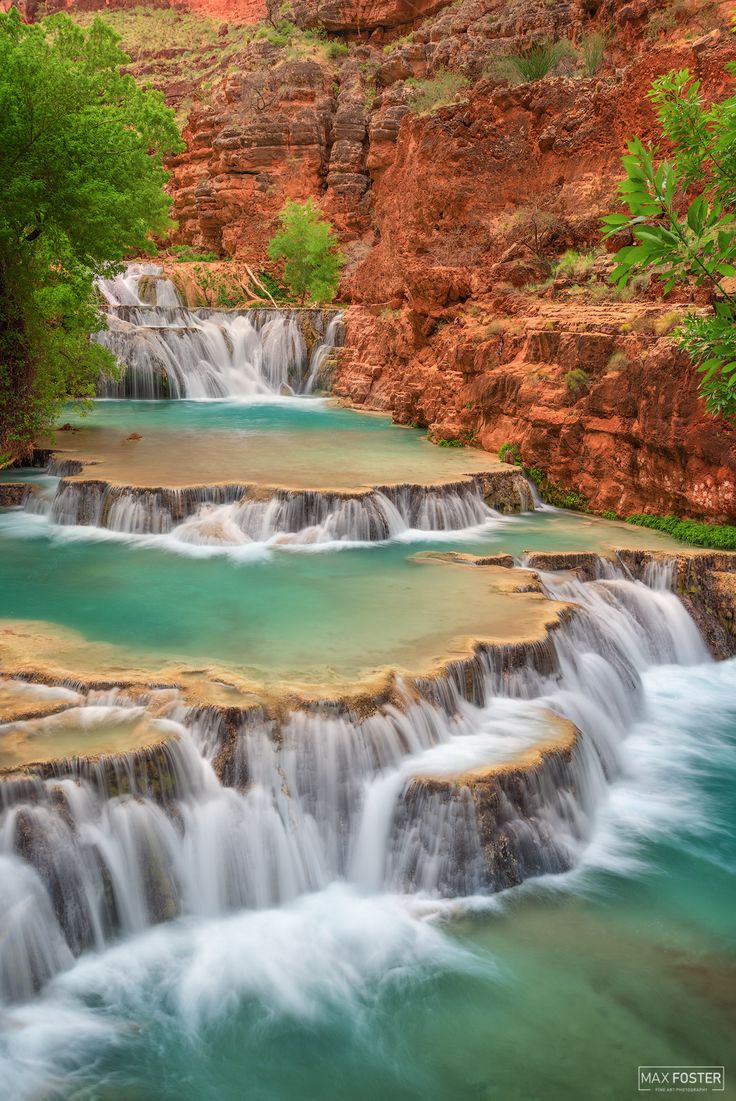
(186, 254)
(577, 380)
(617, 362)
(82, 178)
(510, 453)
(307, 244)
(592, 49)
(336, 50)
(687, 240)
(717, 536)
(397, 43)
(278, 292)
(278, 35)
(533, 63)
(549, 491)
(609, 514)
(554, 494)
(577, 264)
(463, 440)
(427, 95)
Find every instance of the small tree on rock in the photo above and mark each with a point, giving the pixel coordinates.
(307, 244)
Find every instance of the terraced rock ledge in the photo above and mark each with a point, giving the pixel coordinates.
(519, 808)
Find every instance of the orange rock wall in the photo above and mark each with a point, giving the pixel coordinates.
(452, 221)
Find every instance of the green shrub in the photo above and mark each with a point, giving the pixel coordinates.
(186, 254)
(555, 494)
(426, 95)
(534, 63)
(592, 48)
(510, 453)
(398, 42)
(609, 514)
(577, 264)
(272, 285)
(308, 245)
(577, 380)
(617, 362)
(336, 50)
(717, 536)
(278, 35)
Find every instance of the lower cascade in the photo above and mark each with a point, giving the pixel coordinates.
(443, 792)
(233, 515)
(167, 350)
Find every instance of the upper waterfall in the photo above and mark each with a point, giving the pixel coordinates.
(167, 350)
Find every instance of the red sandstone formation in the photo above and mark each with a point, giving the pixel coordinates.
(453, 220)
(246, 11)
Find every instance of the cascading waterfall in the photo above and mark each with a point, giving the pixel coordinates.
(233, 515)
(94, 853)
(169, 351)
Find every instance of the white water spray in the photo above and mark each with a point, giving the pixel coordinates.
(169, 351)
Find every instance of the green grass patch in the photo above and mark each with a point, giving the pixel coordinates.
(437, 91)
(186, 254)
(533, 63)
(715, 536)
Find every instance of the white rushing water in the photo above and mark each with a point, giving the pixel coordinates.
(328, 797)
(229, 517)
(169, 351)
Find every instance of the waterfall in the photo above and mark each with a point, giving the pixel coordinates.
(169, 351)
(232, 515)
(255, 811)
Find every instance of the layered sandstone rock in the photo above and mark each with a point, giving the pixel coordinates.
(452, 220)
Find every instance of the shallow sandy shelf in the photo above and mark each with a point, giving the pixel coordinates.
(490, 606)
(468, 606)
(310, 446)
(89, 731)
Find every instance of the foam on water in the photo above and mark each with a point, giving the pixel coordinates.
(334, 952)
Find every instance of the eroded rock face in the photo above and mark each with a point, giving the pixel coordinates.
(453, 219)
(634, 438)
(290, 132)
(246, 10)
(364, 15)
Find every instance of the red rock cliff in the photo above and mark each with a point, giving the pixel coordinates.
(454, 218)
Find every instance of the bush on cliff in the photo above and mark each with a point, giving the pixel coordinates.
(533, 63)
(426, 95)
(592, 49)
(81, 179)
(307, 244)
(684, 239)
(717, 536)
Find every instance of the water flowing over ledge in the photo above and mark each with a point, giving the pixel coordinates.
(169, 351)
(238, 514)
(462, 783)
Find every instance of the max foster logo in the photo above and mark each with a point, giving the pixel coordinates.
(681, 1079)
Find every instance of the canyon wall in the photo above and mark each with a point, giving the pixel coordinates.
(456, 194)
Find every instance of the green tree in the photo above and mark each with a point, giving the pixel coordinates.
(81, 178)
(307, 244)
(681, 213)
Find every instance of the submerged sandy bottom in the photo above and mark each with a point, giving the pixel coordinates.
(299, 443)
(347, 635)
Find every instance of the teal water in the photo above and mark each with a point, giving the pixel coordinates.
(294, 442)
(263, 608)
(555, 991)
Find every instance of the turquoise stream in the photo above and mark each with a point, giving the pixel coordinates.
(553, 991)
(271, 609)
(312, 610)
(557, 990)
